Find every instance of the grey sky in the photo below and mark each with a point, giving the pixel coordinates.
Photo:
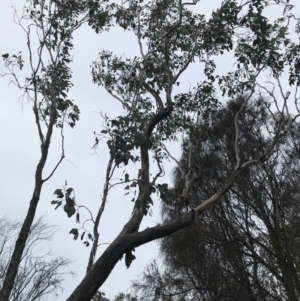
(84, 170)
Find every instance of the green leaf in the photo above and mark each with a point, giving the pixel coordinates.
(59, 193)
(5, 56)
(53, 202)
(82, 236)
(126, 177)
(77, 218)
(115, 123)
(69, 191)
(58, 204)
(102, 18)
(129, 257)
(75, 232)
(68, 44)
(70, 201)
(72, 211)
(104, 131)
(69, 209)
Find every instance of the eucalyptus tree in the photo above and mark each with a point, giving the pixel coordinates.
(52, 23)
(171, 36)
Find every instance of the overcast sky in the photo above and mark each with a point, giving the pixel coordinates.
(83, 169)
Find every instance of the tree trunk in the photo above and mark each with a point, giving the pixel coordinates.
(24, 232)
(20, 245)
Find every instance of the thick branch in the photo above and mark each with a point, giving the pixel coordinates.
(105, 264)
(158, 118)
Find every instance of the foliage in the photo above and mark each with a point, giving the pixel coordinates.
(66, 196)
(156, 111)
(124, 297)
(100, 296)
(171, 36)
(245, 247)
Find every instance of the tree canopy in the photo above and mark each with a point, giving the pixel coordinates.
(172, 36)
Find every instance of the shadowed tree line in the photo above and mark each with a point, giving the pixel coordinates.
(247, 246)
